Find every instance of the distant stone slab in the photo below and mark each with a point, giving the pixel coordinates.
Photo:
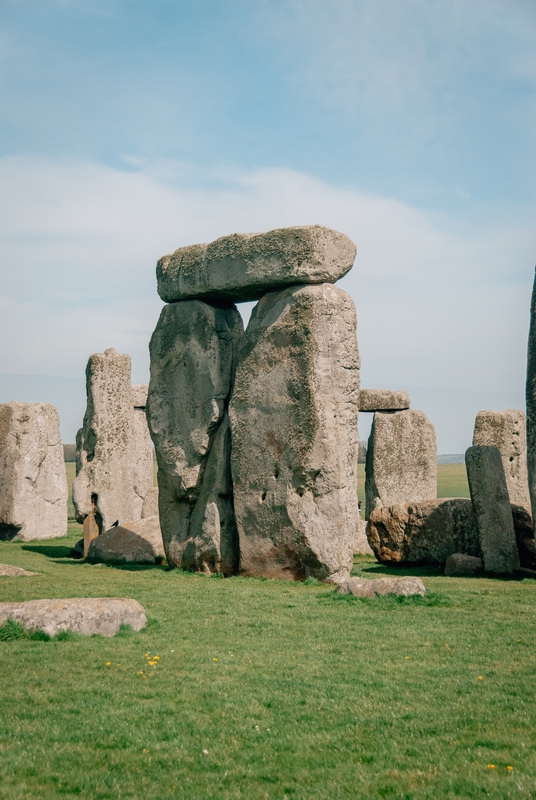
(491, 503)
(89, 616)
(7, 571)
(459, 564)
(361, 545)
(245, 266)
(136, 542)
(365, 587)
(383, 400)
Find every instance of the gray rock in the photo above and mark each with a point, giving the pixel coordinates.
(366, 587)
(136, 542)
(150, 504)
(491, 504)
(383, 400)
(401, 460)
(138, 393)
(89, 616)
(33, 482)
(193, 354)
(293, 415)
(361, 545)
(142, 463)
(459, 564)
(531, 403)
(114, 451)
(7, 571)
(423, 533)
(245, 266)
(506, 430)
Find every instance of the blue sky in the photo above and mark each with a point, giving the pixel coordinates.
(128, 129)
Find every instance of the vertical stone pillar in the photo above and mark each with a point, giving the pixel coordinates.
(193, 353)
(506, 430)
(295, 443)
(33, 481)
(531, 403)
(401, 459)
(143, 472)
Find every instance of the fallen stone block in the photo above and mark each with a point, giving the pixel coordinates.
(366, 587)
(491, 504)
(89, 616)
(245, 266)
(506, 430)
(383, 400)
(459, 564)
(136, 542)
(7, 571)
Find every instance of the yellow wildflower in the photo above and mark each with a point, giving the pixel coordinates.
(509, 768)
(491, 766)
(214, 659)
(480, 678)
(156, 658)
(108, 663)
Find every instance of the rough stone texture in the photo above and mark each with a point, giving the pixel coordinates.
(138, 394)
(531, 403)
(245, 266)
(459, 564)
(361, 545)
(114, 453)
(506, 430)
(383, 400)
(293, 415)
(524, 529)
(491, 504)
(423, 533)
(142, 463)
(136, 542)
(365, 587)
(89, 616)
(7, 571)
(193, 354)
(33, 482)
(401, 460)
(150, 504)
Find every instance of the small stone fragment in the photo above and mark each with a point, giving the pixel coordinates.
(459, 564)
(401, 460)
(33, 482)
(88, 616)
(245, 266)
(383, 400)
(7, 571)
(135, 542)
(365, 587)
(506, 430)
(294, 424)
(491, 504)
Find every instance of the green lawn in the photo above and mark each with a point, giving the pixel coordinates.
(451, 481)
(293, 691)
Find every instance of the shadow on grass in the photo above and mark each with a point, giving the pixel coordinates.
(397, 570)
(49, 550)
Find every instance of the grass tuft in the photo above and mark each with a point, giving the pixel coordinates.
(12, 631)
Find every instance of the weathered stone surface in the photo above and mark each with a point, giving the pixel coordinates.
(7, 571)
(506, 430)
(293, 415)
(524, 528)
(491, 504)
(193, 354)
(361, 545)
(114, 452)
(401, 460)
(33, 482)
(366, 587)
(89, 616)
(383, 400)
(245, 266)
(136, 542)
(459, 564)
(531, 403)
(150, 504)
(138, 394)
(142, 462)
(423, 533)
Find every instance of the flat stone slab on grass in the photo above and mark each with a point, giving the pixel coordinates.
(383, 400)
(137, 542)
(366, 587)
(86, 615)
(245, 266)
(7, 571)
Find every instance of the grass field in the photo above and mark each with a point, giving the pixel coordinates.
(267, 689)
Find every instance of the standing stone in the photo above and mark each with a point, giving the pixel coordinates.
(531, 403)
(245, 266)
(112, 474)
(489, 495)
(506, 431)
(401, 460)
(294, 424)
(193, 353)
(33, 482)
(141, 440)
